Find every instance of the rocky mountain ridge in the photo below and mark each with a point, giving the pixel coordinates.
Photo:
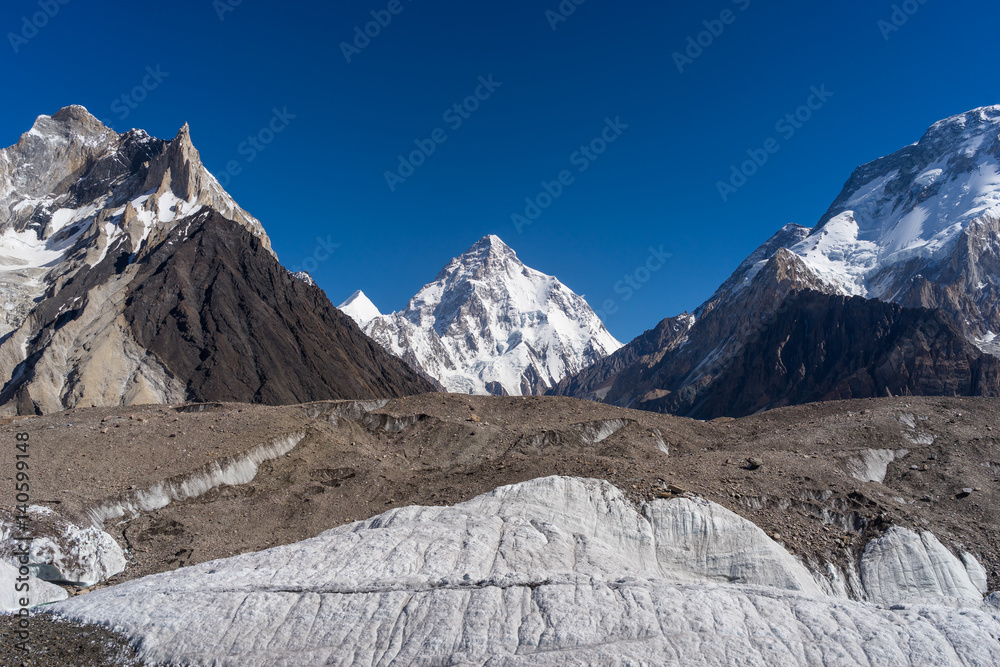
(919, 228)
(84, 213)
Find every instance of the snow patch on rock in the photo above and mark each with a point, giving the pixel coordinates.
(303, 276)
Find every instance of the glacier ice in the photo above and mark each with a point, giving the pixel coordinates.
(234, 471)
(902, 565)
(63, 551)
(548, 572)
(39, 592)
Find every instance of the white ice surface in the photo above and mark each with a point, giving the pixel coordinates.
(902, 565)
(39, 592)
(871, 465)
(554, 571)
(63, 551)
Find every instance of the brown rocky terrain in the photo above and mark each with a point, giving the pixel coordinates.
(438, 449)
(59, 643)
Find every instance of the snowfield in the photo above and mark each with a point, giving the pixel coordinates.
(913, 204)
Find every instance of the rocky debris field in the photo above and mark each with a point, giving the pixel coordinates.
(441, 449)
(56, 642)
(821, 479)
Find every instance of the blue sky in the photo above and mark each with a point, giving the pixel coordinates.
(226, 66)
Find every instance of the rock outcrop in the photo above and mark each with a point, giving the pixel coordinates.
(820, 347)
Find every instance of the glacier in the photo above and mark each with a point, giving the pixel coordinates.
(548, 572)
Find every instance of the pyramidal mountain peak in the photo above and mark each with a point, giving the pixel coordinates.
(486, 254)
(84, 214)
(360, 308)
(490, 244)
(488, 324)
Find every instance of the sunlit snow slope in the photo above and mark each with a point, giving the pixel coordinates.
(488, 324)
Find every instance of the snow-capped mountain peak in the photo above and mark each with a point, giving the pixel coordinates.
(73, 190)
(913, 204)
(360, 308)
(487, 256)
(100, 230)
(488, 324)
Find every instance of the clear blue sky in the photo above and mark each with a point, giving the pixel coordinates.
(656, 185)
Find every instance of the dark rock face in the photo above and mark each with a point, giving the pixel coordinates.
(668, 368)
(594, 382)
(222, 315)
(820, 347)
(777, 337)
